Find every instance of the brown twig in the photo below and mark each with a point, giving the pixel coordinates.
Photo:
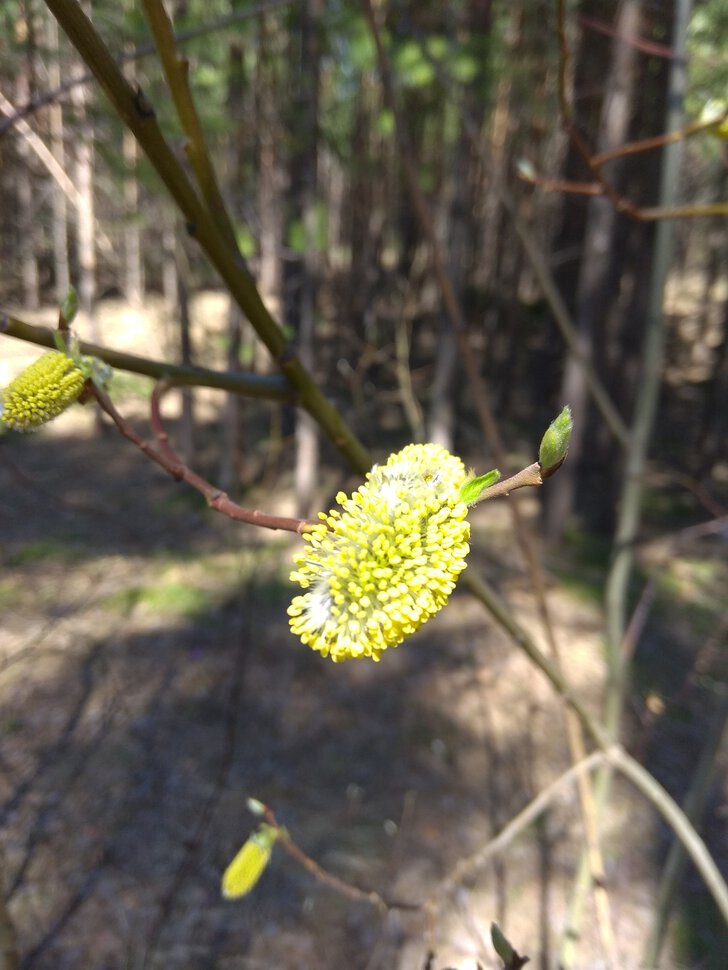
(165, 456)
(382, 903)
(525, 478)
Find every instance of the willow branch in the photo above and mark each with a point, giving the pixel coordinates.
(138, 115)
(464, 868)
(327, 878)
(269, 387)
(678, 822)
(166, 458)
(176, 70)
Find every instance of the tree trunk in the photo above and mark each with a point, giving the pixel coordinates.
(307, 440)
(596, 285)
(86, 220)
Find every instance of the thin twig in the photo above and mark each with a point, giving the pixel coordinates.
(465, 868)
(174, 466)
(526, 478)
(271, 387)
(382, 903)
(678, 822)
(176, 70)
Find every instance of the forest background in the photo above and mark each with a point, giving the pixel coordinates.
(459, 217)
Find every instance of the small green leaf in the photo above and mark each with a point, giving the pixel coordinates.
(500, 944)
(69, 307)
(555, 443)
(472, 490)
(511, 959)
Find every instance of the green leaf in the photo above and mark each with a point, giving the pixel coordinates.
(555, 443)
(69, 307)
(500, 944)
(472, 490)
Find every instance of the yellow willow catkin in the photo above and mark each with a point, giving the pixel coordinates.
(250, 863)
(375, 571)
(41, 392)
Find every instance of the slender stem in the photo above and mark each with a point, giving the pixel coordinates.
(693, 807)
(500, 611)
(525, 478)
(678, 822)
(321, 875)
(467, 867)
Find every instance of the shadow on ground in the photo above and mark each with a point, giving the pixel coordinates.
(150, 686)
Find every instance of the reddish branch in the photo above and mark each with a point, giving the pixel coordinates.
(164, 455)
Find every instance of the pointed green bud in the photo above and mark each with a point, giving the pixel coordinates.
(41, 392)
(511, 959)
(250, 863)
(255, 807)
(69, 307)
(555, 443)
(500, 944)
(472, 490)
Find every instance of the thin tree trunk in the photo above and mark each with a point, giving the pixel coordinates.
(307, 439)
(61, 265)
(85, 216)
(271, 182)
(630, 503)
(26, 201)
(595, 287)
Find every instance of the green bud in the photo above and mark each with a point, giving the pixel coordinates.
(472, 490)
(256, 807)
(511, 959)
(69, 307)
(500, 944)
(555, 443)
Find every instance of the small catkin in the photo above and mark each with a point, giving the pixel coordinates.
(41, 392)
